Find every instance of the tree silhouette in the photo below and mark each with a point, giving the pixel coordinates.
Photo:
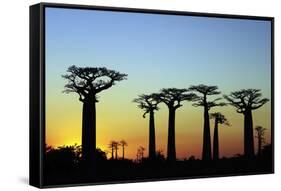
(87, 82)
(111, 146)
(219, 119)
(149, 104)
(173, 97)
(202, 101)
(260, 132)
(123, 144)
(100, 155)
(116, 147)
(160, 157)
(245, 101)
(140, 153)
(63, 158)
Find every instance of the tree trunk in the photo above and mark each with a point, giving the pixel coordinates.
(116, 154)
(112, 152)
(151, 136)
(207, 154)
(216, 142)
(259, 145)
(248, 135)
(89, 132)
(171, 154)
(123, 154)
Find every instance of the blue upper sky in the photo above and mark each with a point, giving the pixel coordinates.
(160, 50)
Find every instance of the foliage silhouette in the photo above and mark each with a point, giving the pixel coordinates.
(260, 132)
(64, 165)
(245, 101)
(192, 158)
(87, 82)
(149, 103)
(64, 158)
(159, 157)
(266, 153)
(140, 153)
(219, 119)
(203, 102)
(123, 144)
(173, 97)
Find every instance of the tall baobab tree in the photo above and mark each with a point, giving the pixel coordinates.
(260, 132)
(219, 119)
(202, 101)
(87, 82)
(245, 101)
(123, 144)
(173, 97)
(149, 104)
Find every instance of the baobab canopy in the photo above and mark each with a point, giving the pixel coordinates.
(87, 81)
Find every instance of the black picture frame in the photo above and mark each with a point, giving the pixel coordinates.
(37, 86)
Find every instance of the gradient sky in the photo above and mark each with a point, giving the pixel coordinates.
(156, 51)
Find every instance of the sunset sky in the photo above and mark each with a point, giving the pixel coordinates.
(156, 51)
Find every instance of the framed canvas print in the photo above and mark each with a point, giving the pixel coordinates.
(126, 95)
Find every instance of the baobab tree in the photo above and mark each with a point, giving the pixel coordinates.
(123, 144)
(202, 101)
(219, 119)
(173, 97)
(111, 146)
(116, 147)
(87, 82)
(149, 103)
(260, 132)
(245, 101)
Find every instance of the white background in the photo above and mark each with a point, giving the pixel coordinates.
(14, 88)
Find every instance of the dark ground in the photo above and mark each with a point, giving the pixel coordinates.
(64, 167)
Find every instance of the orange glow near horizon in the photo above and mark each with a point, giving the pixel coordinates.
(63, 127)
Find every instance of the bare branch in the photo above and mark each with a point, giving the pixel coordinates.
(205, 91)
(173, 97)
(259, 103)
(246, 99)
(148, 103)
(88, 81)
(220, 118)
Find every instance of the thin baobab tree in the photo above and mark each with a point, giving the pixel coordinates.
(111, 146)
(123, 144)
(202, 101)
(87, 82)
(173, 97)
(245, 101)
(260, 132)
(149, 103)
(116, 147)
(219, 119)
